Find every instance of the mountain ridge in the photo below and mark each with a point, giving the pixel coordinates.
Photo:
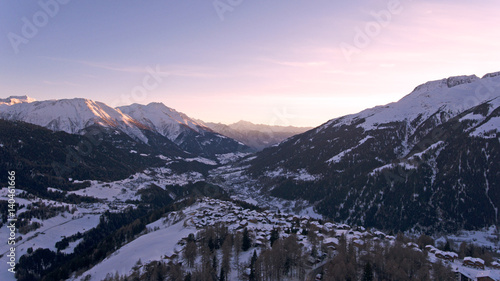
(75, 115)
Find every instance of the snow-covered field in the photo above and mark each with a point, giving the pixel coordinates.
(52, 230)
(149, 247)
(488, 237)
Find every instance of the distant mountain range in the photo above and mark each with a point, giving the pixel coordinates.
(255, 136)
(427, 162)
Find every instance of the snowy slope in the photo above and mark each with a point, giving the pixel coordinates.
(72, 116)
(450, 96)
(149, 247)
(166, 121)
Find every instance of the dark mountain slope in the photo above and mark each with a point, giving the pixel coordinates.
(429, 161)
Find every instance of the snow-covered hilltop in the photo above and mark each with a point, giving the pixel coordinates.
(443, 99)
(166, 121)
(72, 116)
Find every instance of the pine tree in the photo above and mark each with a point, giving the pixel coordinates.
(253, 276)
(226, 256)
(447, 246)
(246, 242)
(274, 236)
(222, 276)
(368, 272)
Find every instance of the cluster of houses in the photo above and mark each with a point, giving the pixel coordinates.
(260, 224)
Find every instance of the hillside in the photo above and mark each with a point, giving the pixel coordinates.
(428, 161)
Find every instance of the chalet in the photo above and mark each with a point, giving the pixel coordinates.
(331, 243)
(431, 249)
(466, 274)
(379, 234)
(328, 226)
(344, 226)
(485, 276)
(253, 219)
(243, 223)
(260, 241)
(360, 229)
(320, 236)
(358, 243)
(367, 234)
(450, 256)
(474, 262)
(495, 265)
(411, 245)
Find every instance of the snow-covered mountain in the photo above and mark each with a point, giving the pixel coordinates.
(72, 116)
(257, 136)
(166, 121)
(430, 160)
(144, 123)
(186, 132)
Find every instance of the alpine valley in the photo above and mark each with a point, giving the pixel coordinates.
(144, 192)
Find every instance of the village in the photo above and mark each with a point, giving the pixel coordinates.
(318, 235)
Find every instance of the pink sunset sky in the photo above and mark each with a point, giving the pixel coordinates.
(284, 63)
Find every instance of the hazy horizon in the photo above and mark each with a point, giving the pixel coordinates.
(279, 63)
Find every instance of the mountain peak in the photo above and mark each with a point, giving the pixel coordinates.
(243, 122)
(449, 82)
(16, 99)
(459, 80)
(157, 105)
(165, 120)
